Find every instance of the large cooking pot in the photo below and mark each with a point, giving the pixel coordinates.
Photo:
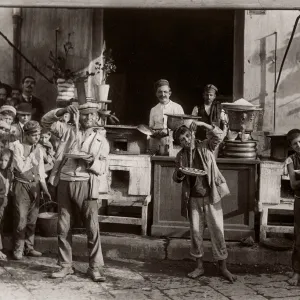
(242, 117)
(243, 120)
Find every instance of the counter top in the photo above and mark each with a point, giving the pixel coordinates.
(219, 160)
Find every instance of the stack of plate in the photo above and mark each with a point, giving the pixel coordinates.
(239, 149)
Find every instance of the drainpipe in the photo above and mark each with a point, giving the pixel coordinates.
(17, 21)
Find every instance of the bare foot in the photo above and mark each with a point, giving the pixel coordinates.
(2, 256)
(294, 279)
(196, 273)
(227, 275)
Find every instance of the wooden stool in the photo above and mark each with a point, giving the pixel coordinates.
(140, 201)
(265, 228)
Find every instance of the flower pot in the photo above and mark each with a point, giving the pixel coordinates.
(65, 92)
(103, 90)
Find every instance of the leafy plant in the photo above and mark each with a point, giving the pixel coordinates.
(108, 66)
(59, 67)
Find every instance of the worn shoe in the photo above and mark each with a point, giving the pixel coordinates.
(33, 253)
(63, 272)
(95, 274)
(17, 255)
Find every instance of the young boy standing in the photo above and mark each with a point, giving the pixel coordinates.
(24, 114)
(47, 149)
(5, 182)
(8, 114)
(201, 195)
(293, 167)
(29, 173)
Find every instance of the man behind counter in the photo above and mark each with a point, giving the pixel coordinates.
(158, 120)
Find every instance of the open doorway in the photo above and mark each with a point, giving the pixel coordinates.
(190, 48)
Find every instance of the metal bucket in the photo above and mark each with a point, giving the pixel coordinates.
(47, 224)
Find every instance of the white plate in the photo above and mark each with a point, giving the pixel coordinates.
(192, 172)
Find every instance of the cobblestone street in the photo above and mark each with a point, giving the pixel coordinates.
(29, 279)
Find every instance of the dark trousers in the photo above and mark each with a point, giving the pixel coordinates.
(3, 204)
(26, 209)
(70, 196)
(296, 250)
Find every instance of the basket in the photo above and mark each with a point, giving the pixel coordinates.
(47, 222)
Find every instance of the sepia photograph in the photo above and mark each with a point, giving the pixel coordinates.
(149, 150)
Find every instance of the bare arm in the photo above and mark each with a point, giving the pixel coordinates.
(295, 184)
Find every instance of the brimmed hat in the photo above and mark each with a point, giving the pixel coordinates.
(32, 127)
(25, 109)
(209, 87)
(3, 124)
(9, 108)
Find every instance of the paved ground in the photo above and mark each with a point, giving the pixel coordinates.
(130, 280)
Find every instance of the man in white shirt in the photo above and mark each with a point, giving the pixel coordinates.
(158, 119)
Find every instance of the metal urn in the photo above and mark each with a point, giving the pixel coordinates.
(242, 121)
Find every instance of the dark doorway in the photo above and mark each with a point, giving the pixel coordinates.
(190, 48)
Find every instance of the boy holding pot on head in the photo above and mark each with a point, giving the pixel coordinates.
(201, 195)
(29, 175)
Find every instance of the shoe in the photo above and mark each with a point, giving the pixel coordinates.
(17, 255)
(33, 253)
(95, 274)
(63, 272)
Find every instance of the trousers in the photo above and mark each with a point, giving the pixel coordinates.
(73, 195)
(202, 214)
(296, 248)
(26, 209)
(3, 204)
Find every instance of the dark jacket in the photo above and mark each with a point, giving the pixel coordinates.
(37, 104)
(216, 181)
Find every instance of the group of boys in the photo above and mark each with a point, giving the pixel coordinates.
(29, 153)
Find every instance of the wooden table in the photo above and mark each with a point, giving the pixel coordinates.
(238, 207)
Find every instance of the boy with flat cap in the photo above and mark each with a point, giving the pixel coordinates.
(24, 115)
(29, 176)
(210, 111)
(79, 181)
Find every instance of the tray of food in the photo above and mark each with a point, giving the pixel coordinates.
(193, 172)
(77, 155)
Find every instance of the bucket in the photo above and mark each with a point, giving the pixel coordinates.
(47, 223)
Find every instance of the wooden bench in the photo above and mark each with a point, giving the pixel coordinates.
(133, 201)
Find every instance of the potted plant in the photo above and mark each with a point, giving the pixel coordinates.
(107, 67)
(65, 79)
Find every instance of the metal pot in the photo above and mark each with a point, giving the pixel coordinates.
(243, 120)
(175, 121)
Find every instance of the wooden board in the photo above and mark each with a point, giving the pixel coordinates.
(247, 4)
(238, 207)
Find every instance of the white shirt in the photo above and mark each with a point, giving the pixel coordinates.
(157, 118)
